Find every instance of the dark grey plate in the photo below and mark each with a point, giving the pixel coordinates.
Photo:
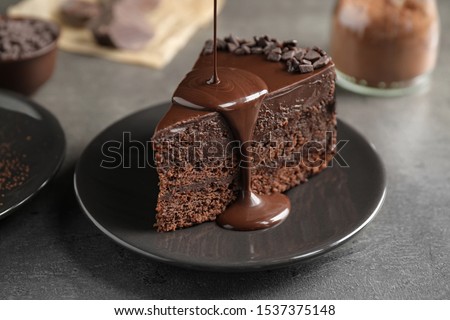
(34, 133)
(326, 211)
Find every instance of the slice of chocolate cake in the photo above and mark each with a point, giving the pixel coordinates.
(197, 155)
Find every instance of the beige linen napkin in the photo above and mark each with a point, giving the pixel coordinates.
(174, 21)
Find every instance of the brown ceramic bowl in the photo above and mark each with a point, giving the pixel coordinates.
(27, 74)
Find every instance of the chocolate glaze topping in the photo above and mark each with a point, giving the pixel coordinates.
(237, 96)
(278, 81)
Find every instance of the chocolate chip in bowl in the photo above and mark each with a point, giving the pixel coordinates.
(27, 53)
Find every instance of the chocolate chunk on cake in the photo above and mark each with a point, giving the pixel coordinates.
(196, 152)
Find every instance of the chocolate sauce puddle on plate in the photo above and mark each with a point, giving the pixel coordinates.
(237, 96)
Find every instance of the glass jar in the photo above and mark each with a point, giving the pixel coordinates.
(384, 47)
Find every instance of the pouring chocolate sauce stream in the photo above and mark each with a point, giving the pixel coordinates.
(237, 95)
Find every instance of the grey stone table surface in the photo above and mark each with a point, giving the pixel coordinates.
(50, 250)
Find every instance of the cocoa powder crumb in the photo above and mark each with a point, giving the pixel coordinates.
(13, 169)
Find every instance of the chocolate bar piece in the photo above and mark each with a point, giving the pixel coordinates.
(79, 13)
(122, 25)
